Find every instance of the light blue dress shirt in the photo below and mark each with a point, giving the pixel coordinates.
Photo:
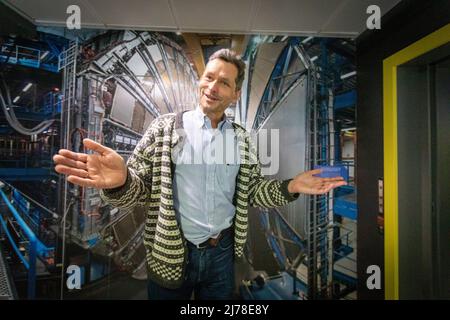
(205, 177)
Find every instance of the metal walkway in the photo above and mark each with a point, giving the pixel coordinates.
(7, 291)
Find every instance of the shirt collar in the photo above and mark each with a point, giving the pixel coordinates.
(202, 119)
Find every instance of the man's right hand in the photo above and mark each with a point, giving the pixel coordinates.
(104, 170)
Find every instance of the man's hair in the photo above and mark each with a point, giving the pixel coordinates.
(230, 56)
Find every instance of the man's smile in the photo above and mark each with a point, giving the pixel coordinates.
(209, 97)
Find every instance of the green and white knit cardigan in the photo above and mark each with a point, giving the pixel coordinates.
(149, 184)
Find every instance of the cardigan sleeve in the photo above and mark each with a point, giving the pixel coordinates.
(266, 193)
(139, 176)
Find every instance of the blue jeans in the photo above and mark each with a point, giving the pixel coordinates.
(209, 274)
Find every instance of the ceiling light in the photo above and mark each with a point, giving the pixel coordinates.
(16, 99)
(44, 55)
(28, 86)
(347, 75)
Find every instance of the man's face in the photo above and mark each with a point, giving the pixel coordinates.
(218, 86)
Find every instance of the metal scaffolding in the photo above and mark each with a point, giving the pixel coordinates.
(321, 234)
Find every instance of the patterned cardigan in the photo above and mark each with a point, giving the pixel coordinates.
(149, 184)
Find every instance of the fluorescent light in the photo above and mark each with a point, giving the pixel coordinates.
(44, 55)
(314, 58)
(347, 75)
(307, 39)
(284, 38)
(16, 99)
(28, 86)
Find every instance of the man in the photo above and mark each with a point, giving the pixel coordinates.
(197, 212)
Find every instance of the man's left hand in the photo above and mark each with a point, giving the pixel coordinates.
(307, 183)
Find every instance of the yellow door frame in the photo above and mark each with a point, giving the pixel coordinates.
(390, 64)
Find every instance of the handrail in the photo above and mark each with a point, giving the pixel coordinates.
(31, 263)
(27, 56)
(54, 215)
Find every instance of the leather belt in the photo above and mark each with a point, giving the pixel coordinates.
(213, 242)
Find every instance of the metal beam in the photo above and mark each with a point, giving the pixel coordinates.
(195, 51)
(239, 43)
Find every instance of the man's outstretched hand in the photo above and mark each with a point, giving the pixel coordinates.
(307, 183)
(105, 169)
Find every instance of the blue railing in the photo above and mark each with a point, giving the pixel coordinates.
(52, 103)
(31, 263)
(35, 217)
(35, 246)
(26, 56)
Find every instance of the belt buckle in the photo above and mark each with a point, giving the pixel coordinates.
(201, 246)
(213, 242)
